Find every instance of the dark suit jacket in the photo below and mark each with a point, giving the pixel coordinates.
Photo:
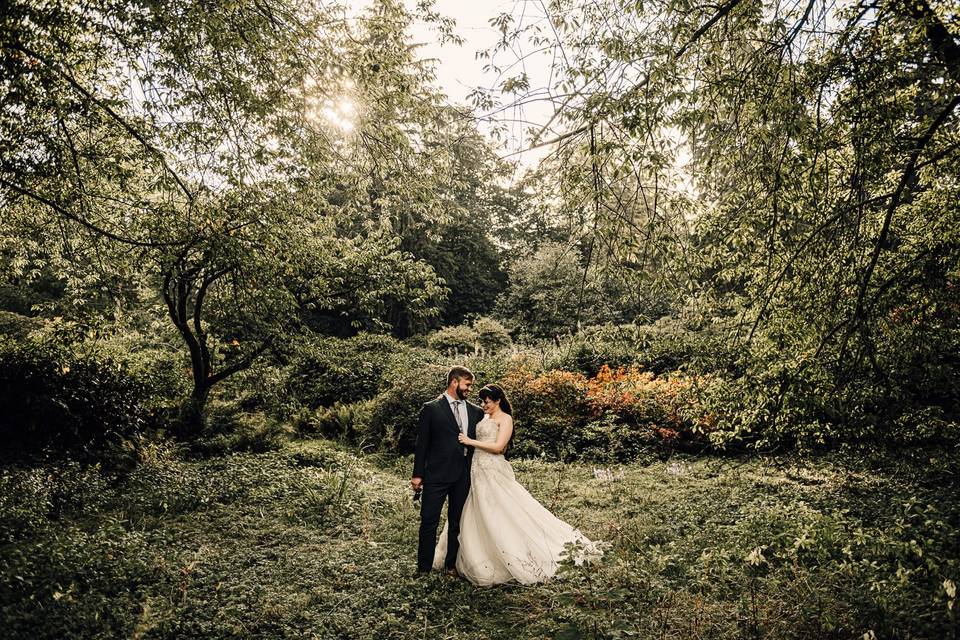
(439, 455)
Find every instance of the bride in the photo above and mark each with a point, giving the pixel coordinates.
(505, 534)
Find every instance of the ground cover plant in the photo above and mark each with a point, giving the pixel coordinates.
(315, 541)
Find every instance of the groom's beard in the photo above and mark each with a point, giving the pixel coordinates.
(461, 394)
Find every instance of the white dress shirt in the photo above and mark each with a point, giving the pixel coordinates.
(462, 408)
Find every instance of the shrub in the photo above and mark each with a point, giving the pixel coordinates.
(488, 368)
(329, 370)
(262, 387)
(666, 407)
(228, 429)
(162, 369)
(395, 413)
(595, 346)
(340, 421)
(613, 415)
(664, 346)
(549, 408)
(608, 438)
(389, 422)
(484, 336)
(559, 414)
(52, 399)
(491, 335)
(16, 325)
(457, 340)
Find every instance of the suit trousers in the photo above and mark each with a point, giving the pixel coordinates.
(434, 494)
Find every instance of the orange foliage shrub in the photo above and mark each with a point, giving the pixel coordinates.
(667, 406)
(565, 414)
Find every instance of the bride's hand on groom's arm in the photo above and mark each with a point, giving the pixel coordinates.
(465, 440)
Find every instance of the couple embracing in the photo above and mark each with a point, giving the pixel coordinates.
(495, 531)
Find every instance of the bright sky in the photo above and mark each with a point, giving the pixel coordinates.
(459, 71)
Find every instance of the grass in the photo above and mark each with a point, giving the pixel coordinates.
(315, 542)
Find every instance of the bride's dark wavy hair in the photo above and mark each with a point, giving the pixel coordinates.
(494, 392)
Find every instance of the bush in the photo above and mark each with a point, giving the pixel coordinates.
(785, 405)
(229, 429)
(395, 413)
(614, 415)
(389, 422)
(345, 422)
(162, 369)
(89, 405)
(262, 387)
(482, 337)
(607, 438)
(330, 370)
(487, 369)
(457, 340)
(491, 335)
(667, 408)
(549, 409)
(588, 351)
(17, 326)
(893, 383)
(664, 346)
(560, 415)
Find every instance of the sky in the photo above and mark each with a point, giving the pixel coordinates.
(459, 71)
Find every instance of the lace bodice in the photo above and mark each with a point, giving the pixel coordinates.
(484, 461)
(487, 429)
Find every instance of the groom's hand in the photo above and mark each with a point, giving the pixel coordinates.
(416, 483)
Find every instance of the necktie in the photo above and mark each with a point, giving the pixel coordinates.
(456, 414)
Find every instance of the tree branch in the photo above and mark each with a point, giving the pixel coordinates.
(905, 178)
(89, 225)
(241, 365)
(113, 114)
(941, 40)
(724, 10)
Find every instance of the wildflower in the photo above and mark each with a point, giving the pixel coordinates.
(583, 552)
(676, 469)
(607, 475)
(755, 558)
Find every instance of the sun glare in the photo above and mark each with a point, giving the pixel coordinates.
(336, 111)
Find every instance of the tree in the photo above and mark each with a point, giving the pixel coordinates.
(180, 149)
(431, 174)
(821, 145)
(544, 289)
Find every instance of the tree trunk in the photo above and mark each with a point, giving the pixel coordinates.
(184, 291)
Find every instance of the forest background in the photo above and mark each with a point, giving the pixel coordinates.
(233, 228)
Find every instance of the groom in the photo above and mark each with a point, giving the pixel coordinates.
(441, 465)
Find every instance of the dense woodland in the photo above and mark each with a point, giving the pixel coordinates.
(242, 242)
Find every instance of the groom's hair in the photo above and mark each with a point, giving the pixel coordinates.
(458, 372)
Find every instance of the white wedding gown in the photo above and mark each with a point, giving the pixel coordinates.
(505, 534)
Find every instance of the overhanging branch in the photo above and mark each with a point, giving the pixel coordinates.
(85, 223)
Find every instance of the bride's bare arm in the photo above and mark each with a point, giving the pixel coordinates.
(503, 437)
